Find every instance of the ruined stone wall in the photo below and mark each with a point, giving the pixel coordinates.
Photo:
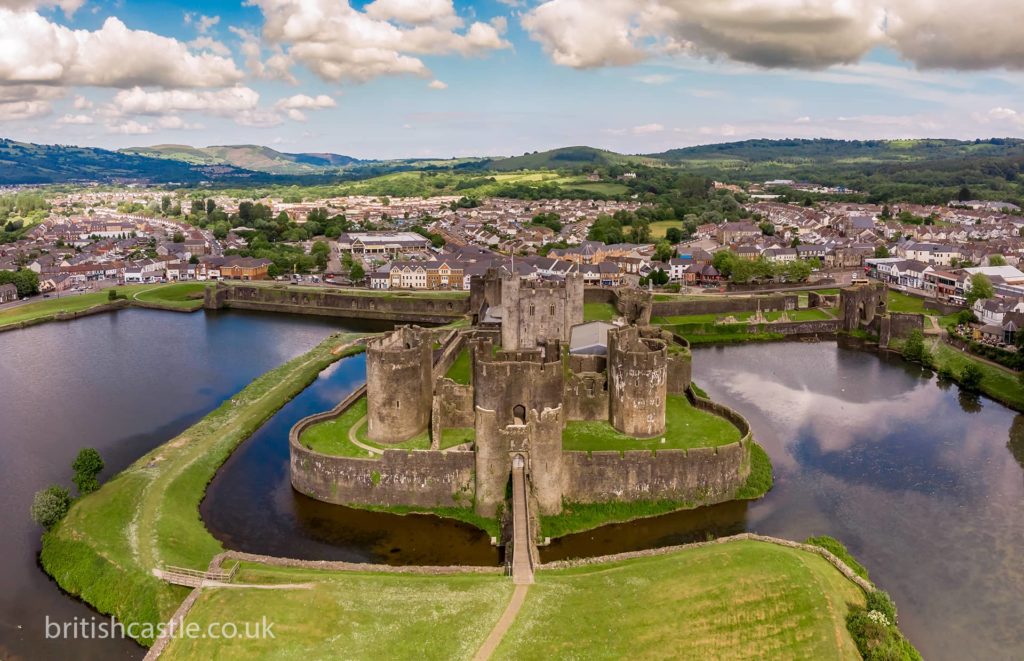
(533, 379)
(860, 304)
(538, 310)
(453, 407)
(545, 458)
(634, 305)
(421, 478)
(637, 381)
(724, 305)
(701, 476)
(898, 325)
(816, 300)
(586, 396)
(399, 384)
(493, 462)
(385, 305)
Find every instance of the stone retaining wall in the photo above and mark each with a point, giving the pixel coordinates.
(725, 305)
(68, 316)
(325, 302)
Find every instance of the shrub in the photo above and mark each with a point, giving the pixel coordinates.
(87, 466)
(50, 505)
(970, 377)
(913, 346)
(880, 601)
(877, 638)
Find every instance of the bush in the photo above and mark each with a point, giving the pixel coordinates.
(836, 548)
(970, 377)
(87, 466)
(880, 601)
(111, 294)
(50, 505)
(877, 637)
(913, 346)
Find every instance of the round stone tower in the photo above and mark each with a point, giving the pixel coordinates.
(637, 381)
(399, 384)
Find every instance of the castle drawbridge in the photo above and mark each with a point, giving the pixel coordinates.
(522, 536)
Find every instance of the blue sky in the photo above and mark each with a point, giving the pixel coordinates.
(393, 78)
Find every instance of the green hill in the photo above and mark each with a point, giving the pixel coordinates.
(566, 157)
(27, 163)
(249, 157)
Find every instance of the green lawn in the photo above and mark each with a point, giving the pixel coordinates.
(350, 615)
(599, 312)
(685, 427)
(738, 600)
(184, 295)
(148, 515)
(659, 228)
(461, 369)
(898, 302)
(331, 436)
(44, 307)
(996, 382)
(810, 314)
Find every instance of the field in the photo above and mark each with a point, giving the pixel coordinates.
(742, 599)
(148, 515)
(659, 228)
(599, 312)
(685, 427)
(351, 615)
(898, 302)
(461, 369)
(75, 303)
(182, 295)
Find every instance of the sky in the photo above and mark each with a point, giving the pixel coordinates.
(437, 78)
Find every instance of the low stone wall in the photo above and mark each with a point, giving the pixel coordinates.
(452, 408)
(387, 306)
(821, 327)
(942, 308)
(779, 286)
(722, 305)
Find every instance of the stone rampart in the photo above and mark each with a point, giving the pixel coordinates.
(898, 325)
(389, 306)
(700, 476)
(709, 305)
(586, 396)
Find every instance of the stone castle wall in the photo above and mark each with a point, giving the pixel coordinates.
(710, 305)
(399, 384)
(390, 306)
(859, 305)
(531, 378)
(586, 396)
(539, 310)
(898, 325)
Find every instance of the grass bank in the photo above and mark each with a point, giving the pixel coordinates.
(461, 370)
(45, 308)
(147, 516)
(178, 296)
(742, 599)
(685, 427)
(998, 383)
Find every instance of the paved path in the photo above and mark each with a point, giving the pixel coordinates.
(502, 626)
(355, 440)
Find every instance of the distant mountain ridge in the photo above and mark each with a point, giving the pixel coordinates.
(248, 157)
(564, 157)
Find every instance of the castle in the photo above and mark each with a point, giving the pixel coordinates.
(534, 368)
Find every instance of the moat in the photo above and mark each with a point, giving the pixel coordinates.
(918, 482)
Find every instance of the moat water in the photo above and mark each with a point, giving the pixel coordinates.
(122, 383)
(920, 482)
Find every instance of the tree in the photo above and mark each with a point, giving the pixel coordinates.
(87, 466)
(767, 228)
(178, 237)
(659, 277)
(913, 346)
(50, 505)
(970, 377)
(211, 206)
(881, 252)
(357, 273)
(797, 270)
(964, 194)
(997, 260)
(981, 288)
(674, 235)
(663, 251)
(25, 280)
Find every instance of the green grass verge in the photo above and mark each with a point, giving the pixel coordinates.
(998, 383)
(68, 303)
(599, 312)
(898, 302)
(760, 480)
(742, 599)
(461, 369)
(182, 295)
(350, 615)
(810, 314)
(685, 427)
(836, 548)
(147, 516)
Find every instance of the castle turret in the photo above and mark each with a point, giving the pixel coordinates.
(637, 381)
(399, 386)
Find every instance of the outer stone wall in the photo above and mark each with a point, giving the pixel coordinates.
(700, 476)
(389, 306)
(415, 478)
(399, 384)
(586, 396)
(860, 305)
(724, 305)
(898, 325)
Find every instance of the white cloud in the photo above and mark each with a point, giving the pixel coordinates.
(438, 85)
(15, 110)
(69, 7)
(175, 123)
(130, 127)
(647, 129)
(209, 44)
(223, 102)
(338, 42)
(655, 79)
(36, 50)
(82, 103)
(276, 67)
(76, 119)
(803, 34)
(293, 106)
